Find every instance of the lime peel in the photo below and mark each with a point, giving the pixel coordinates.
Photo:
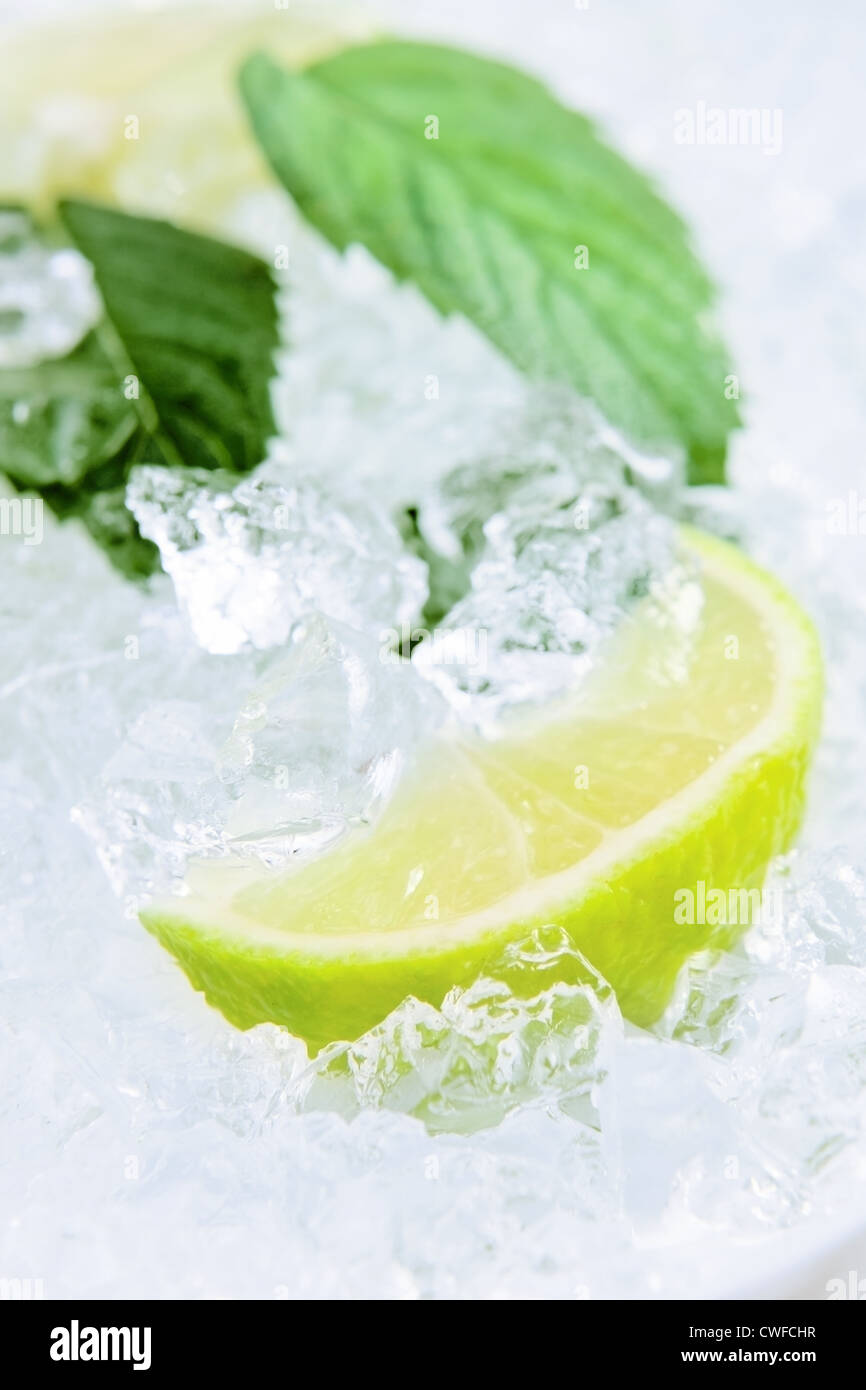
(299, 950)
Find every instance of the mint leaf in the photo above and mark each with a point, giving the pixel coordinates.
(196, 322)
(99, 502)
(486, 219)
(60, 420)
(67, 431)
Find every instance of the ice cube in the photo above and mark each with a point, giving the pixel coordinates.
(510, 1037)
(321, 742)
(48, 300)
(556, 453)
(169, 1141)
(251, 557)
(558, 552)
(546, 540)
(274, 758)
(377, 385)
(159, 802)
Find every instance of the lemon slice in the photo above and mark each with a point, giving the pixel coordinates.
(680, 763)
(141, 108)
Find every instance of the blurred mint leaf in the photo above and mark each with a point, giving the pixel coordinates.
(470, 179)
(61, 419)
(178, 374)
(100, 504)
(196, 322)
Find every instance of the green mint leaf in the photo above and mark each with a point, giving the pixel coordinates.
(99, 502)
(60, 420)
(67, 431)
(196, 322)
(470, 179)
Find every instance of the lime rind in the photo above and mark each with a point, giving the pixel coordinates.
(616, 903)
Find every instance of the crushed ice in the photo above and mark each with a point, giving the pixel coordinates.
(251, 557)
(561, 1154)
(551, 542)
(48, 300)
(505, 1040)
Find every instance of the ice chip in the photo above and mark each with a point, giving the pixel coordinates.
(48, 300)
(273, 760)
(249, 557)
(159, 800)
(724, 1148)
(391, 394)
(510, 1037)
(545, 542)
(555, 569)
(321, 741)
(556, 454)
(829, 906)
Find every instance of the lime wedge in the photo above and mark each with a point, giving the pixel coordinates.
(678, 769)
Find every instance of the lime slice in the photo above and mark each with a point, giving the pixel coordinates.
(681, 763)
